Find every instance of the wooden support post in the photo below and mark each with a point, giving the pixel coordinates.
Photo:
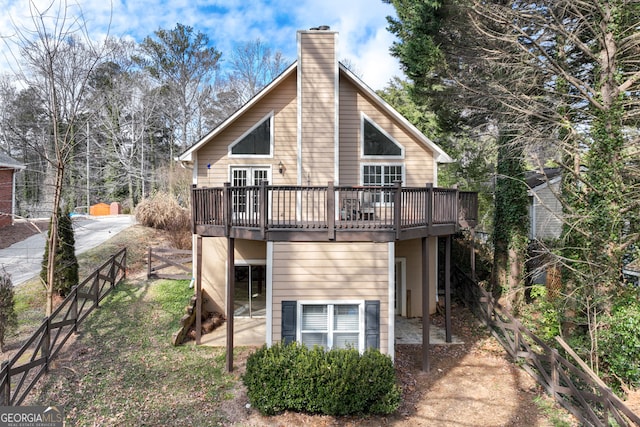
(228, 209)
(199, 290)
(397, 208)
(74, 309)
(426, 317)
(429, 207)
(149, 262)
(447, 289)
(263, 204)
(472, 259)
(230, 289)
(331, 211)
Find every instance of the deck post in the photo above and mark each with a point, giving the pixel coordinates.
(397, 208)
(228, 212)
(194, 208)
(199, 290)
(447, 289)
(264, 210)
(230, 288)
(429, 207)
(426, 318)
(331, 211)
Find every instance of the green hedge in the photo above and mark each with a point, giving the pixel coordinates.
(336, 382)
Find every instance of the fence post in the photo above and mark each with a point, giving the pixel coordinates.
(46, 343)
(74, 309)
(554, 372)
(96, 289)
(112, 271)
(5, 392)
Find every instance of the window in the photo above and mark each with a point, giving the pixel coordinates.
(381, 175)
(331, 325)
(256, 142)
(377, 143)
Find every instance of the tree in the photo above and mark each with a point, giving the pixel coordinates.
(58, 60)
(184, 64)
(66, 264)
(8, 316)
(253, 66)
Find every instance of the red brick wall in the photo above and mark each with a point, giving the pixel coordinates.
(6, 199)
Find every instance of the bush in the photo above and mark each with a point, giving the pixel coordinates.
(335, 382)
(7, 305)
(163, 212)
(620, 342)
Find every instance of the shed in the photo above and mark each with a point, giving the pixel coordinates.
(100, 209)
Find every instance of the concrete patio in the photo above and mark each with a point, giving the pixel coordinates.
(251, 333)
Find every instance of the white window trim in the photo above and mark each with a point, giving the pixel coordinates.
(359, 303)
(364, 117)
(269, 116)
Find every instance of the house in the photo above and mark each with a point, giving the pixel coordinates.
(316, 208)
(8, 169)
(545, 209)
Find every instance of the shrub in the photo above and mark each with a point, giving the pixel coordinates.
(7, 305)
(335, 382)
(163, 212)
(620, 342)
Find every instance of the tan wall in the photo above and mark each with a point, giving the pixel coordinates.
(547, 211)
(418, 160)
(283, 104)
(214, 267)
(317, 69)
(411, 250)
(330, 271)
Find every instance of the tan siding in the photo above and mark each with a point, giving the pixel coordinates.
(418, 160)
(214, 266)
(411, 250)
(330, 272)
(282, 102)
(317, 68)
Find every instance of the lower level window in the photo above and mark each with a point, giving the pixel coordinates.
(331, 325)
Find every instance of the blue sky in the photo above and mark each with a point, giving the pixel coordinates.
(363, 38)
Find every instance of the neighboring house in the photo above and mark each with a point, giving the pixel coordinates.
(8, 169)
(315, 206)
(545, 209)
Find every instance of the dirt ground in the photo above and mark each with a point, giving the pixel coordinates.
(470, 384)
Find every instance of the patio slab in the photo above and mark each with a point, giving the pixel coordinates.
(251, 332)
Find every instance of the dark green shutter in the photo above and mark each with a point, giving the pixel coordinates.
(372, 324)
(289, 318)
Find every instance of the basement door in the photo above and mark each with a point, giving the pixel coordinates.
(250, 291)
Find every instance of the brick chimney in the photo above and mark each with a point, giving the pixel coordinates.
(317, 106)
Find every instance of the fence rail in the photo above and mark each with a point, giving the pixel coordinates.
(19, 375)
(576, 388)
(169, 258)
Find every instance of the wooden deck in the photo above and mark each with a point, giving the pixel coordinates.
(331, 213)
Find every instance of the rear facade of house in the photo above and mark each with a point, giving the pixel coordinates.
(316, 205)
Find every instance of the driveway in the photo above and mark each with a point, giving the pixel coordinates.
(23, 260)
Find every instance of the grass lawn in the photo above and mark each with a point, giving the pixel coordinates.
(121, 369)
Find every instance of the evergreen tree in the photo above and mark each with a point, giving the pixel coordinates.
(66, 263)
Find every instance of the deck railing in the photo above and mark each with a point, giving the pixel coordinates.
(314, 208)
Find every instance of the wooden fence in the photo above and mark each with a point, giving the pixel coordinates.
(576, 388)
(20, 374)
(169, 258)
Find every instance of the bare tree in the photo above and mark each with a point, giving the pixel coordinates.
(253, 66)
(57, 59)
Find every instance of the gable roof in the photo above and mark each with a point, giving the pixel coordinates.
(10, 163)
(541, 179)
(439, 155)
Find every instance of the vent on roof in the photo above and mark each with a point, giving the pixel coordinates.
(320, 28)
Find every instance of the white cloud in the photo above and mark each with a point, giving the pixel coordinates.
(363, 38)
